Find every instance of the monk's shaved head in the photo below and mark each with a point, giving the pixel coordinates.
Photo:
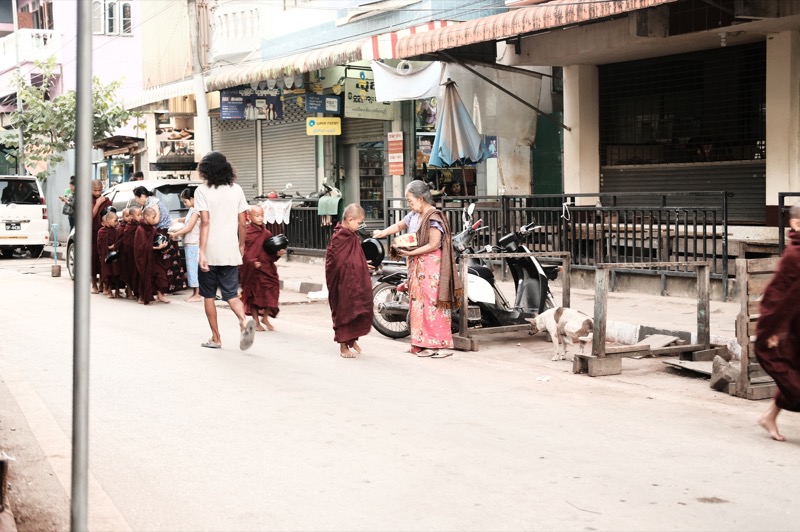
(256, 210)
(353, 211)
(794, 212)
(109, 216)
(135, 210)
(149, 211)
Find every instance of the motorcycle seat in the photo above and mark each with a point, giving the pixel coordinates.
(483, 272)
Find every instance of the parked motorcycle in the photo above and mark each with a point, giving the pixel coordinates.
(488, 307)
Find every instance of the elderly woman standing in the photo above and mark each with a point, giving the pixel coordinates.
(176, 273)
(434, 285)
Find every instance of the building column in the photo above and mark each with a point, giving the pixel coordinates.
(783, 118)
(581, 143)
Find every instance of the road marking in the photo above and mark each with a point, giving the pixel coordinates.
(103, 514)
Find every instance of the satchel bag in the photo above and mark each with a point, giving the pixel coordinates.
(69, 208)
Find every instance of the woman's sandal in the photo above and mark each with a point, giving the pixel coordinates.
(426, 353)
(441, 354)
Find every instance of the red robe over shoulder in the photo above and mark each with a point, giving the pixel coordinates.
(349, 286)
(149, 265)
(780, 318)
(260, 286)
(119, 267)
(97, 223)
(128, 259)
(106, 237)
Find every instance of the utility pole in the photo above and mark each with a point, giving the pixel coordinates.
(20, 142)
(202, 127)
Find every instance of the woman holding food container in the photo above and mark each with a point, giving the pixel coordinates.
(433, 283)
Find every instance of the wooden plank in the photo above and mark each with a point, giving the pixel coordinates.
(766, 379)
(498, 330)
(756, 286)
(654, 341)
(628, 350)
(759, 391)
(601, 277)
(751, 327)
(676, 349)
(706, 355)
(766, 265)
(703, 306)
(753, 308)
(703, 368)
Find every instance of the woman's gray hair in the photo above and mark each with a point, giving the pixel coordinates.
(420, 190)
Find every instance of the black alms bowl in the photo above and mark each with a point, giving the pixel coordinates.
(275, 244)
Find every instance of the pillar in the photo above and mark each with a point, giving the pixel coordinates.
(581, 143)
(783, 118)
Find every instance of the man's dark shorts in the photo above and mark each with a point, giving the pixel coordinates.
(226, 278)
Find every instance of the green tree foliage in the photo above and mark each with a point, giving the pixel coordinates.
(47, 121)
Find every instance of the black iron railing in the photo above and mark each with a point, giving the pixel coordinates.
(783, 216)
(605, 228)
(307, 231)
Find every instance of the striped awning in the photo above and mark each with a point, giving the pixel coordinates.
(381, 46)
(519, 21)
(339, 54)
(157, 94)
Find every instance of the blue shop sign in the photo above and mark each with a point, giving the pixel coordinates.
(317, 103)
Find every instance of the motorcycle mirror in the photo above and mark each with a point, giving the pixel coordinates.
(471, 209)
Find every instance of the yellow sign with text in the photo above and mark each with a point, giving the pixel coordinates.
(316, 125)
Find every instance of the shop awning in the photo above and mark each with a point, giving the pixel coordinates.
(164, 92)
(284, 66)
(519, 21)
(374, 47)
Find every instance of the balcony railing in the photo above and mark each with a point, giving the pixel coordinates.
(34, 45)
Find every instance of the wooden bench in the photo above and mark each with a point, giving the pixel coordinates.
(753, 276)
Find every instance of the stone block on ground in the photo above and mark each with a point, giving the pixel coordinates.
(723, 373)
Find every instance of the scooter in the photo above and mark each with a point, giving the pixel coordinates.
(532, 295)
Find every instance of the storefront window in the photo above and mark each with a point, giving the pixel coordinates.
(371, 175)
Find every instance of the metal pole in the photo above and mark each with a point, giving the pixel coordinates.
(83, 271)
(202, 128)
(20, 142)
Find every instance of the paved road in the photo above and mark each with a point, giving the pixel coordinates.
(290, 436)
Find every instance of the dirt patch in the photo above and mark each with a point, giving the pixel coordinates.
(35, 496)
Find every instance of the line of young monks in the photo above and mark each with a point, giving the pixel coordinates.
(139, 268)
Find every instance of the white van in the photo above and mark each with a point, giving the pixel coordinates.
(23, 215)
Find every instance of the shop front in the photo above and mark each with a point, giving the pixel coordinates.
(363, 145)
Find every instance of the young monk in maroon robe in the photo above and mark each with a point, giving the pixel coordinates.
(99, 205)
(259, 275)
(349, 285)
(122, 273)
(106, 243)
(149, 261)
(778, 331)
(128, 260)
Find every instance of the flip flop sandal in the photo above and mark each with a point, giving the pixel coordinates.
(426, 353)
(441, 354)
(211, 345)
(248, 335)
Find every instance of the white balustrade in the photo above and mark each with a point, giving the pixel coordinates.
(34, 45)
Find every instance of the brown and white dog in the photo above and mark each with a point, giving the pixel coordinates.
(564, 325)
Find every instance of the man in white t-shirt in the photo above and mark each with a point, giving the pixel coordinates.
(222, 207)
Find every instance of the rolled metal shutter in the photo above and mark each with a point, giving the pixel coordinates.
(358, 130)
(288, 157)
(745, 182)
(236, 139)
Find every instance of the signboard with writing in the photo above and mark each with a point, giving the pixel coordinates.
(317, 103)
(361, 100)
(245, 103)
(396, 166)
(316, 125)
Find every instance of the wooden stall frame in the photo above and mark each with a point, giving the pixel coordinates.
(602, 275)
(464, 340)
(753, 276)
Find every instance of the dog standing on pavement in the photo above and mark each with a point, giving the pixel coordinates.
(564, 325)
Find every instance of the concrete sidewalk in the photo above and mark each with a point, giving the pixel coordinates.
(631, 316)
